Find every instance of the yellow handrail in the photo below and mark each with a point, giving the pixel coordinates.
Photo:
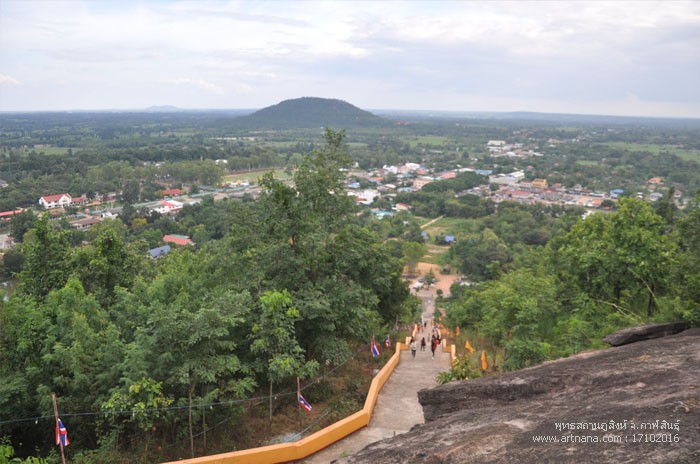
(305, 447)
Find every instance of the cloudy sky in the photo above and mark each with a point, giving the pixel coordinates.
(597, 57)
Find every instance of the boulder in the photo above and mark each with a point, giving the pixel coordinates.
(644, 332)
(634, 403)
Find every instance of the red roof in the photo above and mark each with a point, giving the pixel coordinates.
(50, 198)
(170, 192)
(177, 239)
(520, 193)
(11, 213)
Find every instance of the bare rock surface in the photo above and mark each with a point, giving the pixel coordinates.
(644, 332)
(637, 403)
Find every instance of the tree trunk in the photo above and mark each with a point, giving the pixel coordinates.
(651, 305)
(190, 423)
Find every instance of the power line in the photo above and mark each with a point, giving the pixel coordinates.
(174, 408)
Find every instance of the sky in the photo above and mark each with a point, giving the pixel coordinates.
(584, 57)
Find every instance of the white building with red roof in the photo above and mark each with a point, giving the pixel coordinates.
(168, 206)
(55, 201)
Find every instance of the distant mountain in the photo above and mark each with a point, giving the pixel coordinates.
(310, 112)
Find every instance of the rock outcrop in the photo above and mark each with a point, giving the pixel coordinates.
(634, 403)
(644, 332)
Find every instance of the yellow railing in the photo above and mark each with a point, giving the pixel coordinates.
(305, 447)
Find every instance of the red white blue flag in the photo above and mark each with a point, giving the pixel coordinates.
(387, 342)
(375, 348)
(61, 434)
(303, 403)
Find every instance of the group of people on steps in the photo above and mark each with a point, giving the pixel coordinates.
(435, 340)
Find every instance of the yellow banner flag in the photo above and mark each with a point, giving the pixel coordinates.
(484, 365)
(469, 346)
(457, 331)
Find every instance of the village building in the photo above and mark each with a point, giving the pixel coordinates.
(420, 182)
(159, 252)
(168, 207)
(8, 215)
(86, 223)
(61, 200)
(540, 184)
(176, 239)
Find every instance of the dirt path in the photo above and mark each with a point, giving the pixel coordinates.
(444, 281)
(429, 223)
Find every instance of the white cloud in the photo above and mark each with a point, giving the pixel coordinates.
(198, 83)
(433, 52)
(8, 80)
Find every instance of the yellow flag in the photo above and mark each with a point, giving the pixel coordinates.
(457, 331)
(469, 346)
(484, 365)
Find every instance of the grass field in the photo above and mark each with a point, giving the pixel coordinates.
(656, 149)
(47, 150)
(435, 140)
(253, 176)
(448, 225)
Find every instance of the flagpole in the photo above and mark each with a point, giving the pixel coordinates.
(55, 413)
(298, 393)
(299, 417)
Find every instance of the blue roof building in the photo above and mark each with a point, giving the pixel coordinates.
(160, 251)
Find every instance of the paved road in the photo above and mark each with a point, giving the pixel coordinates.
(397, 408)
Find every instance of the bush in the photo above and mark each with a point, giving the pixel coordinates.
(319, 391)
(462, 368)
(524, 353)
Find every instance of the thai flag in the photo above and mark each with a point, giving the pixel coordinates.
(61, 434)
(304, 404)
(375, 348)
(387, 342)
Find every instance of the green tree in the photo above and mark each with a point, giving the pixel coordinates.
(481, 257)
(273, 338)
(414, 252)
(105, 264)
(139, 410)
(519, 312)
(20, 224)
(46, 256)
(185, 327)
(620, 257)
(131, 191)
(320, 181)
(684, 296)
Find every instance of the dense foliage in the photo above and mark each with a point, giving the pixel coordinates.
(287, 285)
(291, 282)
(552, 297)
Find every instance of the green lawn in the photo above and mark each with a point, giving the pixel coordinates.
(656, 149)
(253, 176)
(426, 140)
(47, 150)
(447, 225)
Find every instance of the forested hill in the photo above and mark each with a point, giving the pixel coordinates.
(308, 112)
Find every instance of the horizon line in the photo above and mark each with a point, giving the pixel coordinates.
(176, 109)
